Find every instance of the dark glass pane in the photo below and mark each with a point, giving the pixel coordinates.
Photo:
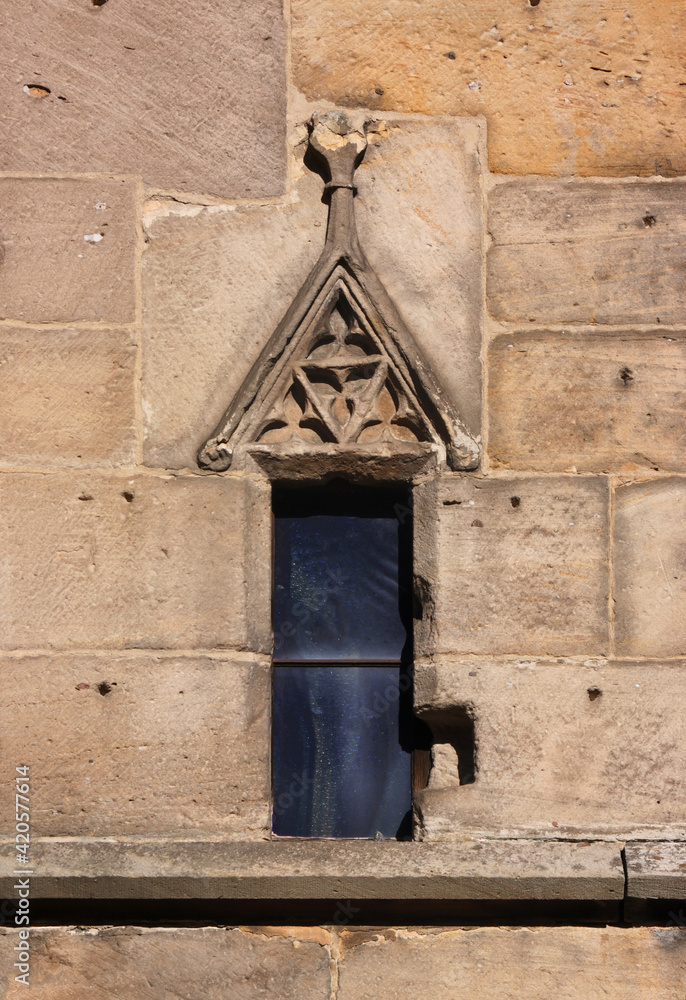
(341, 755)
(340, 587)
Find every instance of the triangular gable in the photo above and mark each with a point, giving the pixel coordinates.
(341, 378)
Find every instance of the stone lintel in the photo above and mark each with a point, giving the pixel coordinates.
(175, 869)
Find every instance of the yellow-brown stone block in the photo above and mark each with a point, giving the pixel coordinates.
(67, 397)
(157, 963)
(69, 249)
(139, 744)
(104, 560)
(650, 568)
(574, 251)
(591, 401)
(512, 565)
(520, 963)
(567, 88)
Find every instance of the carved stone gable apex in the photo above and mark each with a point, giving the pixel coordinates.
(341, 385)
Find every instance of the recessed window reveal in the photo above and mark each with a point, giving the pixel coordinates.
(342, 700)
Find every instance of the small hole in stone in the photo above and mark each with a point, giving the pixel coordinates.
(449, 55)
(104, 688)
(36, 90)
(476, 523)
(649, 220)
(85, 496)
(515, 501)
(98, 3)
(534, 3)
(594, 693)
(379, 91)
(128, 496)
(626, 375)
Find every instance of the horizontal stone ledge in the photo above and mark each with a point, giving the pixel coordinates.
(656, 871)
(174, 869)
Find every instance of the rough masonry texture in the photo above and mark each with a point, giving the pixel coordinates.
(191, 99)
(512, 565)
(564, 749)
(587, 251)
(69, 249)
(292, 963)
(566, 89)
(609, 401)
(119, 561)
(95, 723)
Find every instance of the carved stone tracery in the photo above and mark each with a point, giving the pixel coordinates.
(343, 389)
(341, 377)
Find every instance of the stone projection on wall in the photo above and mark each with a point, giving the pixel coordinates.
(341, 380)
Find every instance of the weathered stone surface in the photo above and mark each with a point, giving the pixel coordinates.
(566, 88)
(95, 559)
(67, 397)
(596, 963)
(512, 565)
(69, 248)
(216, 283)
(563, 749)
(587, 252)
(656, 871)
(139, 744)
(311, 869)
(128, 92)
(420, 220)
(218, 963)
(650, 568)
(589, 401)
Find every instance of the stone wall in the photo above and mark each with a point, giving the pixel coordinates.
(521, 200)
(315, 963)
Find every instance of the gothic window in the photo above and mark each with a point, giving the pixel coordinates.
(342, 713)
(341, 391)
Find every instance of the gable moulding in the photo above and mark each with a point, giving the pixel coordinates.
(341, 386)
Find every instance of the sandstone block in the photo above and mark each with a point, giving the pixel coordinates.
(139, 744)
(100, 560)
(562, 749)
(215, 284)
(214, 287)
(67, 397)
(512, 565)
(127, 92)
(650, 568)
(657, 871)
(536, 963)
(69, 249)
(566, 88)
(217, 963)
(595, 402)
(587, 252)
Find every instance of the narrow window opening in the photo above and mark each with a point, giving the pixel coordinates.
(342, 723)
